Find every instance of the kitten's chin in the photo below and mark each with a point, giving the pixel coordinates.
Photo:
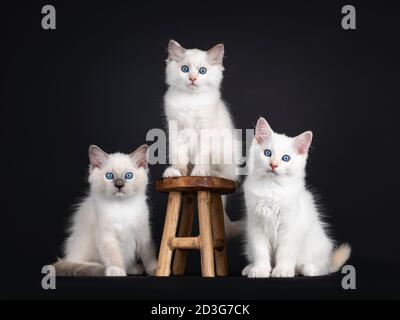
(272, 173)
(124, 195)
(192, 87)
(118, 195)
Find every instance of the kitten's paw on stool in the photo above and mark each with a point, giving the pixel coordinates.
(171, 172)
(259, 271)
(201, 171)
(115, 271)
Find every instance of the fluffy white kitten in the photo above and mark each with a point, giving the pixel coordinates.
(284, 231)
(193, 104)
(110, 229)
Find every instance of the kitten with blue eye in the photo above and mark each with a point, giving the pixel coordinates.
(110, 231)
(194, 105)
(284, 233)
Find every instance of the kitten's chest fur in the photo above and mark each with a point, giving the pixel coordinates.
(121, 217)
(123, 220)
(191, 110)
(270, 199)
(268, 202)
(270, 194)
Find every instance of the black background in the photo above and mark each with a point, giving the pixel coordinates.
(99, 79)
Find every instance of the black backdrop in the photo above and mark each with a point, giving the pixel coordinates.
(99, 78)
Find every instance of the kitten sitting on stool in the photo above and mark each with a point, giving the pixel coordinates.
(194, 105)
(285, 235)
(110, 229)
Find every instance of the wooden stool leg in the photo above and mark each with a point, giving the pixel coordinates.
(205, 237)
(185, 230)
(171, 221)
(218, 228)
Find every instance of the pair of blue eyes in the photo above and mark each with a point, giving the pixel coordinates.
(268, 153)
(110, 176)
(186, 69)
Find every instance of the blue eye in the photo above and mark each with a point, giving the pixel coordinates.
(267, 152)
(128, 175)
(286, 158)
(109, 176)
(185, 69)
(203, 70)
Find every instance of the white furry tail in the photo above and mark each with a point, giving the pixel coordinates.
(339, 257)
(65, 268)
(233, 228)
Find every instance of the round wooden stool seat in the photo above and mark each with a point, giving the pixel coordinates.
(192, 184)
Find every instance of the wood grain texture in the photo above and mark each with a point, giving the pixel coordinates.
(187, 243)
(185, 230)
(193, 184)
(218, 228)
(206, 237)
(170, 225)
(183, 192)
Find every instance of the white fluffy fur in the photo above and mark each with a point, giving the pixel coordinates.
(197, 108)
(111, 226)
(284, 234)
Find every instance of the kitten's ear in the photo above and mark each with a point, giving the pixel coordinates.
(263, 131)
(139, 156)
(97, 156)
(302, 142)
(175, 50)
(216, 54)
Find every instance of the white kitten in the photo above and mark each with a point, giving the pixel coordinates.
(284, 231)
(193, 104)
(110, 229)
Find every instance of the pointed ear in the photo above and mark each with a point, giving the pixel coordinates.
(216, 54)
(263, 131)
(175, 50)
(97, 156)
(302, 142)
(139, 156)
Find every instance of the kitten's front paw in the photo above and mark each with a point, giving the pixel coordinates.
(115, 271)
(136, 269)
(201, 171)
(259, 271)
(310, 270)
(171, 172)
(151, 268)
(283, 272)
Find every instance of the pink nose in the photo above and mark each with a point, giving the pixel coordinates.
(273, 166)
(192, 78)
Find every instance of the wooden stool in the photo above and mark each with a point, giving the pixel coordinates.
(211, 240)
